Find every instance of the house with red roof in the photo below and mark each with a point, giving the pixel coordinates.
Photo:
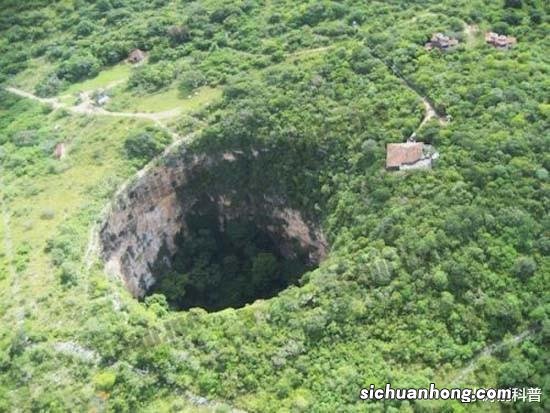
(409, 155)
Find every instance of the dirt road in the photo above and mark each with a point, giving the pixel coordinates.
(87, 108)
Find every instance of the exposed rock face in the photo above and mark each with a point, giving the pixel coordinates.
(138, 236)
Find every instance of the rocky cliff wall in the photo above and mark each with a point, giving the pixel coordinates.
(138, 235)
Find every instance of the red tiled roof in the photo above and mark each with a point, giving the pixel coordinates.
(398, 154)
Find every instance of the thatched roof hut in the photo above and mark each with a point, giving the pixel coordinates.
(136, 56)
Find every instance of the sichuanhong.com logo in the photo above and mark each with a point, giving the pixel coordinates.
(465, 395)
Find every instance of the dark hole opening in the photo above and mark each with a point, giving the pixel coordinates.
(227, 262)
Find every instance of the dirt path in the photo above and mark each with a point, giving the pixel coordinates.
(430, 113)
(487, 351)
(429, 106)
(47, 101)
(471, 31)
(87, 108)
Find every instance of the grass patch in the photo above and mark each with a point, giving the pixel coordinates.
(40, 205)
(162, 101)
(93, 154)
(29, 78)
(117, 73)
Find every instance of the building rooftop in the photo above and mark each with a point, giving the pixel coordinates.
(441, 41)
(136, 56)
(398, 154)
(499, 40)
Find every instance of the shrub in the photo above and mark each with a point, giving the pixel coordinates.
(85, 28)
(516, 4)
(524, 268)
(178, 34)
(190, 81)
(105, 381)
(18, 343)
(157, 304)
(68, 274)
(63, 247)
(47, 213)
(111, 52)
(219, 15)
(49, 86)
(103, 5)
(150, 78)
(145, 145)
(119, 15)
(79, 67)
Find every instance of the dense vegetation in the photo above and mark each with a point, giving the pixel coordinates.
(144, 145)
(426, 269)
(225, 267)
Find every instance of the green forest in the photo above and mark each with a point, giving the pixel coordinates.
(435, 275)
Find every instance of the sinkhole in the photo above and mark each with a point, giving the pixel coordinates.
(212, 230)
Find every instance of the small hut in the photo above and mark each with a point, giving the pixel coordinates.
(409, 155)
(441, 42)
(500, 41)
(136, 56)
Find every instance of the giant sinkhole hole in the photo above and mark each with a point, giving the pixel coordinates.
(212, 230)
